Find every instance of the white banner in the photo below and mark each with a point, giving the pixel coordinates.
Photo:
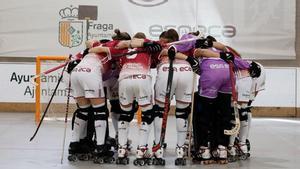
(257, 29)
(16, 85)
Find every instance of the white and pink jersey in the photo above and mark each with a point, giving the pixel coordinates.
(136, 64)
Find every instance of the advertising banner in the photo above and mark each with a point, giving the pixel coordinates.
(257, 29)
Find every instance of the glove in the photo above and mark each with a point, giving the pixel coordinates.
(152, 47)
(85, 52)
(204, 43)
(227, 56)
(172, 52)
(72, 64)
(194, 64)
(254, 70)
(211, 38)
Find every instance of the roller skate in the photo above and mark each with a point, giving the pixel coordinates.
(122, 155)
(232, 157)
(81, 150)
(112, 142)
(103, 154)
(203, 156)
(73, 150)
(222, 155)
(158, 152)
(143, 156)
(180, 151)
(248, 146)
(129, 144)
(164, 145)
(242, 152)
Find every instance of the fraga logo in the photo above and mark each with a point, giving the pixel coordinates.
(148, 3)
(70, 28)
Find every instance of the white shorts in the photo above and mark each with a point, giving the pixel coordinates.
(112, 88)
(182, 84)
(243, 86)
(138, 87)
(86, 81)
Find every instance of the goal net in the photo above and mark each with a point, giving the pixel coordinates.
(45, 86)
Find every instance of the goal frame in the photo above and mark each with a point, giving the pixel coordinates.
(39, 59)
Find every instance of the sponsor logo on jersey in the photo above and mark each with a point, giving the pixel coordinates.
(148, 3)
(82, 69)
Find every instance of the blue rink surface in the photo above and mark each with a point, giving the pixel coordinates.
(275, 144)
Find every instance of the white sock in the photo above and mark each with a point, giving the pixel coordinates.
(144, 134)
(157, 129)
(123, 128)
(182, 126)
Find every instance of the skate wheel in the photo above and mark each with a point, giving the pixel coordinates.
(111, 160)
(72, 158)
(180, 161)
(142, 162)
(232, 159)
(206, 162)
(248, 144)
(163, 162)
(222, 161)
(99, 160)
(164, 145)
(135, 162)
(83, 157)
(177, 162)
(243, 157)
(149, 162)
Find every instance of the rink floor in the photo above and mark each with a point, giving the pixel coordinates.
(275, 143)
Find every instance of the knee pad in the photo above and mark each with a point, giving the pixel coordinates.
(147, 116)
(183, 113)
(126, 116)
(123, 125)
(115, 106)
(158, 111)
(81, 113)
(100, 113)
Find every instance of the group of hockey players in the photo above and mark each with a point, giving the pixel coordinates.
(118, 70)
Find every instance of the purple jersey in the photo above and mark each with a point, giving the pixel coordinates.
(239, 63)
(214, 77)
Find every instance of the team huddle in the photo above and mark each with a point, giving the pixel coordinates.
(118, 70)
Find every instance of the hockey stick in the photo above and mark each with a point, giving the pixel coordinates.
(48, 105)
(184, 41)
(191, 117)
(47, 72)
(66, 121)
(236, 128)
(171, 51)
